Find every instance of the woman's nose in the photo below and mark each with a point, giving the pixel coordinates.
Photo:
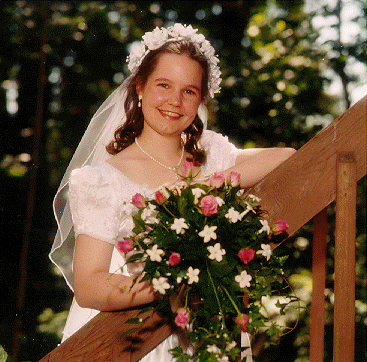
(175, 98)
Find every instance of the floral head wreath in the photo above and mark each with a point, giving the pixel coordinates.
(111, 115)
(159, 36)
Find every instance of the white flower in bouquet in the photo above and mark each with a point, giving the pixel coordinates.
(233, 215)
(243, 279)
(193, 275)
(220, 201)
(160, 285)
(216, 252)
(265, 251)
(212, 348)
(197, 192)
(209, 255)
(208, 233)
(155, 254)
(179, 225)
(265, 227)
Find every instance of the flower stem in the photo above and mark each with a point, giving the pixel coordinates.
(169, 211)
(216, 295)
(232, 301)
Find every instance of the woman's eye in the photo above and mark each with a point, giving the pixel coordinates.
(163, 85)
(190, 92)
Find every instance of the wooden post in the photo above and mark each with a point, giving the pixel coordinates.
(345, 236)
(317, 327)
(295, 191)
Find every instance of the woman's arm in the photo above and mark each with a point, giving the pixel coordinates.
(95, 287)
(255, 164)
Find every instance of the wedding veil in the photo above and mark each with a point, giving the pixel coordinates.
(90, 151)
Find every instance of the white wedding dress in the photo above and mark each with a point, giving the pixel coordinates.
(100, 199)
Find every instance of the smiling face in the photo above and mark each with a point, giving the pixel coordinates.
(171, 95)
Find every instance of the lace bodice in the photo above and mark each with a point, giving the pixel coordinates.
(100, 196)
(100, 201)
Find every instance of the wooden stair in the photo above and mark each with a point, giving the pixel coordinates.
(297, 191)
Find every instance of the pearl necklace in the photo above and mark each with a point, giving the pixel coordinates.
(174, 169)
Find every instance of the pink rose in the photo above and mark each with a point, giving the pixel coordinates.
(280, 227)
(125, 245)
(174, 259)
(159, 198)
(182, 318)
(242, 320)
(246, 255)
(209, 205)
(217, 179)
(138, 200)
(234, 179)
(187, 169)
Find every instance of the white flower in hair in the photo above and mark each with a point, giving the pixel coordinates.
(159, 36)
(181, 30)
(208, 50)
(136, 55)
(153, 40)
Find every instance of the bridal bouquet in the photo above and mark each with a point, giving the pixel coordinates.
(207, 253)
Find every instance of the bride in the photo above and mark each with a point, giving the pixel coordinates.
(151, 124)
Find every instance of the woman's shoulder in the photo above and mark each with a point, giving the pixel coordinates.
(221, 153)
(213, 141)
(92, 175)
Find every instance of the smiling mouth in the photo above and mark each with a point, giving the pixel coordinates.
(170, 114)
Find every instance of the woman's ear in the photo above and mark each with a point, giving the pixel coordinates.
(139, 87)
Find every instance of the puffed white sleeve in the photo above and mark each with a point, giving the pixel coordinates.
(93, 206)
(221, 153)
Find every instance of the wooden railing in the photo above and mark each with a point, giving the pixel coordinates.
(324, 169)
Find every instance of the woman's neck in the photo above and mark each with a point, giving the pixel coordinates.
(166, 149)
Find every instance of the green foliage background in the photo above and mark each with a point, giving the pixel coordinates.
(274, 93)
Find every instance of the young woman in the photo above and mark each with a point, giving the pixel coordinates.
(161, 117)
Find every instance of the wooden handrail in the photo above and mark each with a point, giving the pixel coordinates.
(305, 184)
(296, 191)
(100, 340)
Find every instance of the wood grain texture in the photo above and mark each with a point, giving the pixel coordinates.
(306, 183)
(101, 339)
(296, 191)
(317, 325)
(344, 265)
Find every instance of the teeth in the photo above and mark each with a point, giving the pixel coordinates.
(171, 114)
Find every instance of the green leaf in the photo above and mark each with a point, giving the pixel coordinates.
(135, 257)
(281, 259)
(145, 310)
(134, 320)
(179, 354)
(130, 331)
(273, 330)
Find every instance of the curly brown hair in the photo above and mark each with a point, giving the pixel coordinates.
(133, 127)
